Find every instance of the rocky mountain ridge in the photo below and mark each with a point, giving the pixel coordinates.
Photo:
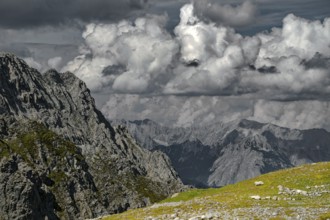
(225, 153)
(114, 174)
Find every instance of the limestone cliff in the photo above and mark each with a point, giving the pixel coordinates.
(61, 158)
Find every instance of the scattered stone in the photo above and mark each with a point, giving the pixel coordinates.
(174, 195)
(280, 188)
(255, 197)
(258, 183)
(210, 215)
(168, 204)
(174, 215)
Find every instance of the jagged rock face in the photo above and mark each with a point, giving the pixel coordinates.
(222, 154)
(117, 173)
(43, 175)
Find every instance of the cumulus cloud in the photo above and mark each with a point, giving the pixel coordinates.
(200, 71)
(289, 49)
(293, 80)
(55, 62)
(52, 63)
(270, 64)
(213, 60)
(199, 40)
(239, 15)
(298, 37)
(219, 50)
(32, 63)
(143, 49)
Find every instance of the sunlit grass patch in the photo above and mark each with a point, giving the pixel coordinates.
(313, 179)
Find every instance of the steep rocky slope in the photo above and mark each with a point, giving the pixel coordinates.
(221, 154)
(61, 158)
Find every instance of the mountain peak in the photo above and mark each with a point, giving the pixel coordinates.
(115, 164)
(249, 124)
(7, 55)
(12, 66)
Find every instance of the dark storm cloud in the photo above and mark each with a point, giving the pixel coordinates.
(272, 12)
(27, 13)
(233, 15)
(44, 44)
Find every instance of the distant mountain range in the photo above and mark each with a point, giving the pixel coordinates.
(225, 153)
(61, 159)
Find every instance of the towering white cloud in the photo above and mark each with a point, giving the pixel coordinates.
(199, 40)
(298, 37)
(219, 51)
(287, 50)
(141, 57)
(197, 74)
(143, 50)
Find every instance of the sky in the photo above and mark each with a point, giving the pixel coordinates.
(184, 62)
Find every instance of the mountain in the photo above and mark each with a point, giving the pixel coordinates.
(297, 193)
(225, 153)
(61, 159)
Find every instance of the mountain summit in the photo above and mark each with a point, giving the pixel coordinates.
(61, 159)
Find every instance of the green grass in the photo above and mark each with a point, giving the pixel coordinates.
(238, 195)
(32, 138)
(57, 176)
(147, 189)
(325, 216)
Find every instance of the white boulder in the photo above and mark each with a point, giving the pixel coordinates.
(255, 197)
(258, 183)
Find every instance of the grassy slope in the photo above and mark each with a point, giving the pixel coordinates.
(237, 196)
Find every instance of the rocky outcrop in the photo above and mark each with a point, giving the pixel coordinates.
(43, 175)
(100, 169)
(225, 153)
